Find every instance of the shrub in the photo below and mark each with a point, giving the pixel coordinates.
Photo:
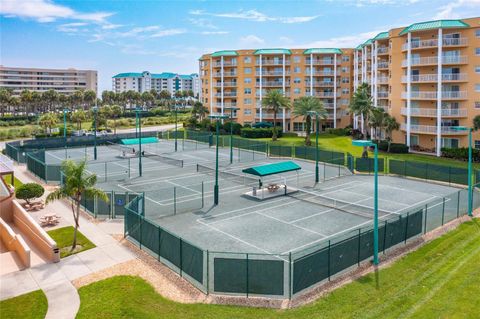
(237, 127)
(259, 132)
(29, 191)
(340, 131)
(461, 153)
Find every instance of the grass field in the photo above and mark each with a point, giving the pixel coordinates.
(64, 237)
(29, 306)
(16, 183)
(439, 280)
(344, 144)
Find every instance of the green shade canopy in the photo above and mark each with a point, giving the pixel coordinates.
(323, 51)
(381, 36)
(437, 24)
(272, 169)
(133, 141)
(224, 53)
(272, 51)
(460, 128)
(362, 143)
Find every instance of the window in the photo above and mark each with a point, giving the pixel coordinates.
(298, 127)
(247, 59)
(477, 33)
(345, 58)
(477, 104)
(345, 91)
(345, 80)
(247, 101)
(247, 80)
(296, 59)
(296, 69)
(297, 80)
(247, 70)
(247, 91)
(477, 68)
(450, 142)
(344, 101)
(296, 91)
(345, 69)
(477, 51)
(247, 111)
(477, 87)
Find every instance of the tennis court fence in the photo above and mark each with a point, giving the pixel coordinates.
(286, 275)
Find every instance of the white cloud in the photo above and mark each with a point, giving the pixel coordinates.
(47, 11)
(214, 32)
(202, 23)
(254, 15)
(251, 41)
(167, 33)
(349, 41)
(452, 9)
(74, 27)
(286, 41)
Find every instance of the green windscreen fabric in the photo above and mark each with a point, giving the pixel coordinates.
(448, 174)
(415, 224)
(230, 275)
(53, 173)
(305, 152)
(310, 269)
(280, 151)
(395, 232)
(344, 254)
(150, 236)
(331, 157)
(367, 165)
(170, 248)
(35, 166)
(104, 207)
(192, 261)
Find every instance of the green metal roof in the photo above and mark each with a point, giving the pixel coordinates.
(272, 51)
(224, 53)
(271, 169)
(381, 36)
(128, 75)
(323, 51)
(368, 42)
(145, 140)
(437, 24)
(359, 47)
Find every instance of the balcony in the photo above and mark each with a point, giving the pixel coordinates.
(226, 84)
(382, 50)
(322, 62)
(382, 65)
(320, 73)
(272, 73)
(382, 80)
(323, 94)
(264, 93)
(226, 104)
(267, 62)
(269, 115)
(225, 63)
(433, 78)
(433, 60)
(432, 129)
(225, 74)
(424, 112)
(273, 84)
(319, 83)
(432, 95)
(226, 94)
(433, 43)
(382, 94)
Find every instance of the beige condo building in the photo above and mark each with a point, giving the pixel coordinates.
(426, 75)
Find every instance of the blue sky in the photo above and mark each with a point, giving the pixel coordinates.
(133, 36)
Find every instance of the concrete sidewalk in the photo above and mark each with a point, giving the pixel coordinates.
(55, 279)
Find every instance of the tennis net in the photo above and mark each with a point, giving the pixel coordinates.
(347, 207)
(163, 159)
(240, 179)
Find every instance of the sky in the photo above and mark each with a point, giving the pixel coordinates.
(118, 36)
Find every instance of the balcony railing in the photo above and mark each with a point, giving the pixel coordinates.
(433, 112)
(226, 84)
(269, 115)
(226, 94)
(382, 80)
(433, 60)
(225, 63)
(432, 95)
(426, 78)
(382, 65)
(226, 104)
(273, 84)
(319, 83)
(323, 94)
(432, 129)
(433, 43)
(264, 93)
(272, 73)
(272, 62)
(382, 50)
(382, 95)
(229, 74)
(320, 73)
(322, 61)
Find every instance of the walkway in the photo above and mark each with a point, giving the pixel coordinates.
(55, 279)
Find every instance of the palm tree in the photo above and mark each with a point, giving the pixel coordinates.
(4, 100)
(147, 99)
(26, 98)
(50, 98)
(77, 98)
(303, 106)
(115, 112)
(376, 121)
(89, 98)
(36, 101)
(47, 121)
(275, 101)
(391, 125)
(361, 103)
(77, 184)
(78, 117)
(199, 110)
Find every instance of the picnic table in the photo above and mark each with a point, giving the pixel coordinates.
(49, 219)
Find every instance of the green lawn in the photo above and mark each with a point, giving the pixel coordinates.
(29, 306)
(439, 280)
(344, 144)
(17, 182)
(64, 237)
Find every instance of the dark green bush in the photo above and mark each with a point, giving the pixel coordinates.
(461, 153)
(237, 127)
(29, 191)
(259, 132)
(340, 131)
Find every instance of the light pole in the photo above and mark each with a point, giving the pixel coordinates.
(312, 113)
(95, 110)
(215, 188)
(65, 110)
(470, 186)
(176, 125)
(139, 129)
(365, 143)
(231, 131)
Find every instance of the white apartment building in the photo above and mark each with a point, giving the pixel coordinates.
(145, 81)
(64, 81)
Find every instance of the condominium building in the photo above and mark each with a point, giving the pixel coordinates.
(146, 81)
(427, 76)
(241, 79)
(65, 81)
